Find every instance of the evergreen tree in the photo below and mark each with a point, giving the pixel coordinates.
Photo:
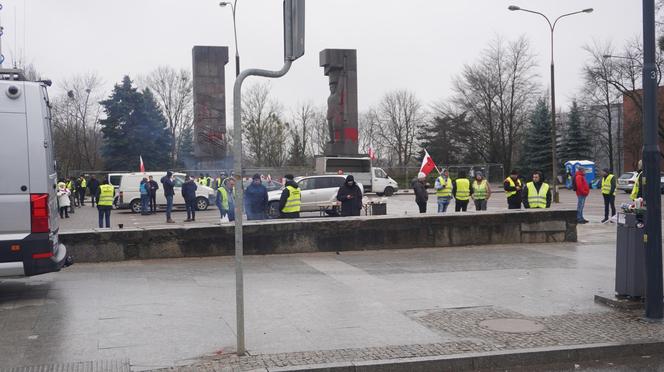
(448, 138)
(576, 142)
(536, 153)
(297, 156)
(134, 126)
(186, 148)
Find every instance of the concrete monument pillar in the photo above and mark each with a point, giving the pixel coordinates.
(209, 90)
(341, 67)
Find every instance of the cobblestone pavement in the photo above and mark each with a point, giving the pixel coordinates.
(466, 324)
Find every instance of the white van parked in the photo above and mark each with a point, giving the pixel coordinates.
(129, 195)
(29, 220)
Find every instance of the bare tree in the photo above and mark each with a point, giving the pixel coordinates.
(320, 132)
(76, 130)
(173, 91)
(497, 93)
(369, 128)
(264, 131)
(400, 115)
(301, 127)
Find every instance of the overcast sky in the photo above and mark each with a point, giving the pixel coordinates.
(418, 45)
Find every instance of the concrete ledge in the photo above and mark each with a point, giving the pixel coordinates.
(491, 360)
(325, 235)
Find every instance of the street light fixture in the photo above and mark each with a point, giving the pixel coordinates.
(552, 27)
(233, 6)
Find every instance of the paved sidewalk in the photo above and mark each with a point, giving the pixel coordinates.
(321, 308)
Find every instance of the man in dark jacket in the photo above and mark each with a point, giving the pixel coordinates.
(93, 185)
(532, 193)
(350, 196)
(289, 203)
(421, 195)
(167, 182)
(513, 187)
(153, 186)
(255, 199)
(189, 194)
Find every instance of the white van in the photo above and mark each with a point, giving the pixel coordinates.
(129, 195)
(374, 179)
(29, 220)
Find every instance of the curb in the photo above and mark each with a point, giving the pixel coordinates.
(492, 360)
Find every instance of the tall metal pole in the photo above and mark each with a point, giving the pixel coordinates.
(554, 137)
(2, 57)
(651, 159)
(237, 54)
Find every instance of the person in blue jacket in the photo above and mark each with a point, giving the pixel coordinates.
(145, 196)
(255, 199)
(189, 194)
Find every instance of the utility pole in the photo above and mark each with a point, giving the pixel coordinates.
(2, 31)
(651, 159)
(293, 49)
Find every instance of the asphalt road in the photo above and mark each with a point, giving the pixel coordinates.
(86, 217)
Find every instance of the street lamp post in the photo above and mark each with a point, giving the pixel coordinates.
(552, 27)
(233, 6)
(651, 159)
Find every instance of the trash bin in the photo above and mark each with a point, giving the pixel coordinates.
(630, 256)
(378, 209)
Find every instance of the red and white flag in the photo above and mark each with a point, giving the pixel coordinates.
(142, 166)
(427, 163)
(372, 153)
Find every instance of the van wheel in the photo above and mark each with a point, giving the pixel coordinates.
(389, 191)
(135, 206)
(273, 210)
(202, 204)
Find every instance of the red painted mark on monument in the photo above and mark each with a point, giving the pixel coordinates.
(351, 134)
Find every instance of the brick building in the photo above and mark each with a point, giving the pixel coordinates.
(633, 134)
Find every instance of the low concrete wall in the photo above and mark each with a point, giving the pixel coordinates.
(325, 235)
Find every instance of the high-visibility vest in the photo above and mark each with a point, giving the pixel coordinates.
(537, 199)
(511, 181)
(106, 194)
(70, 185)
(224, 198)
(606, 185)
(84, 183)
(208, 181)
(635, 189)
(480, 189)
(293, 201)
(462, 189)
(447, 191)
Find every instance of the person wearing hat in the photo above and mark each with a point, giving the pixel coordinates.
(481, 191)
(64, 202)
(513, 187)
(226, 199)
(350, 196)
(255, 199)
(421, 195)
(608, 193)
(289, 203)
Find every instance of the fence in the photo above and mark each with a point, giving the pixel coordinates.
(494, 173)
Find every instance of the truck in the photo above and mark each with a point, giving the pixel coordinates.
(29, 221)
(372, 178)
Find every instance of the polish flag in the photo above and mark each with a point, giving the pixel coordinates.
(372, 153)
(427, 163)
(142, 166)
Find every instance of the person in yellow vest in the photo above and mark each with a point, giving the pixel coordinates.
(105, 197)
(443, 188)
(461, 191)
(537, 193)
(513, 190)
(81, 191)
(637, 190)
(481, 191)
(289, 204)
(608, 193)
(226, 199)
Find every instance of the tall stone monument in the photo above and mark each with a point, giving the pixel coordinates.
(209, 63)
(341, 67)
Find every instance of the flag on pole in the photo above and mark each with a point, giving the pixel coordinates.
(142, 166)
(372, 153)
(427, 163)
